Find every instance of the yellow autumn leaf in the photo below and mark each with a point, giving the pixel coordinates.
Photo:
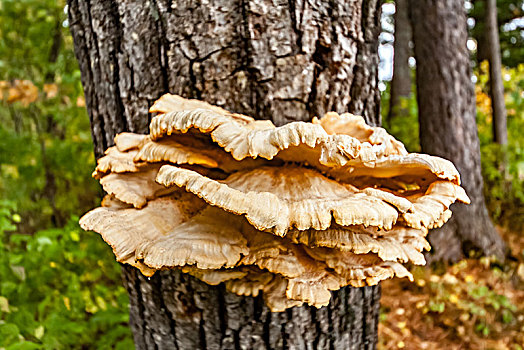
(80, 101)
(484, 103)
(39, 332)
(10, 170)
(16, 218)
(454, 298)
(51, 90)
(67, 303)
(23, 91)
(4, 304)
(74, 236)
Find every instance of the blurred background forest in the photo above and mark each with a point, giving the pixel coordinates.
(60, 286)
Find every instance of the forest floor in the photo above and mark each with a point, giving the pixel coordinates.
(473, 304)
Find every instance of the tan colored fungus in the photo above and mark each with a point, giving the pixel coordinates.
(355, 126)
(180, 150)
(127, 141)
(400, 244)
(209, 240)
(124, 228)
(277, 200)
(244, 137)
(135, 188)
(116, 161)
(171, 151)
(291, 212)
(215, 277)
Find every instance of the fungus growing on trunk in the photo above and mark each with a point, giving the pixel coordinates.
(291, 212)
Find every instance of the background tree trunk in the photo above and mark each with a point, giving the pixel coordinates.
(278, 60)
(446, 101)
(401, 80)
(496, 87)
(479, 31)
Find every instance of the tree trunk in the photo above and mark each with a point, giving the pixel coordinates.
(479, 31)
(401, 81)
(496, 87)
(446, 101)
(278, 60)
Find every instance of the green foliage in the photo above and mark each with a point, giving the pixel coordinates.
(59, 289)
(458, 293)
(45, 146)
(504, 189)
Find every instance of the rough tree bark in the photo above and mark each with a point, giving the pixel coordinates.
(401, 80)
(278, 60)
(496, 87)
(446, 101)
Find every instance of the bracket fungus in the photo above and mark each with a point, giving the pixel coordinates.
(290, 212)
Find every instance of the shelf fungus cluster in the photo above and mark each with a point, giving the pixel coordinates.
(290, 212)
